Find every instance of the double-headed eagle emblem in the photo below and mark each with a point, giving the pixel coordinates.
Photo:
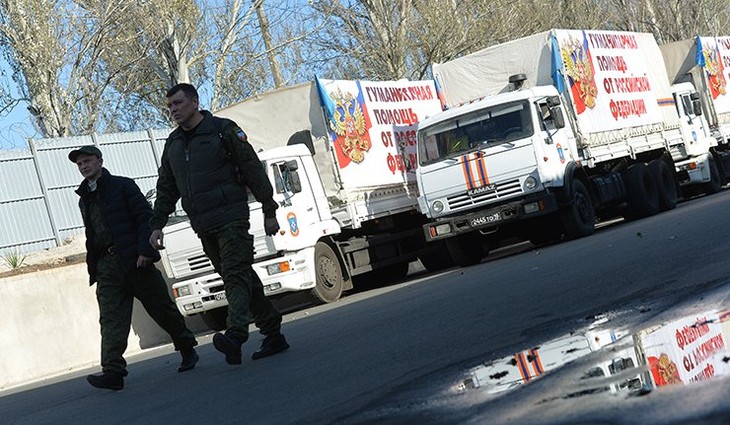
(348, 124)
(579, 68)
(713, 67)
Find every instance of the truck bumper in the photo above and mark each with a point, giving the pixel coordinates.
(279, 275)
(523, 209)
(695, 170)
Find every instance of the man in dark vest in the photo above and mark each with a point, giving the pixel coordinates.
(120, 261)
(208, 162)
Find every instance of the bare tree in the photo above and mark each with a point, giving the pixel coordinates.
(382, 39)
(88, 65)
(673, 20)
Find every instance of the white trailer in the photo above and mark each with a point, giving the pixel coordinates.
(345, 187)
(704, 63)
(547, 132)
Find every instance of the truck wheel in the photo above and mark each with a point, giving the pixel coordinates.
(467, 249)
(216, 318)
(666, 185)
(642, 195)
(715, 183)
(436, 257)
(328, 274)
(578, 218)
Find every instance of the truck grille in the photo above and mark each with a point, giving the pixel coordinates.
(190, 263)
(501, 190)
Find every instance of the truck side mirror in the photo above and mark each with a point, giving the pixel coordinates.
(697, 107)
(295, 184)
(553, 101)
(556, 113)
(291, 165)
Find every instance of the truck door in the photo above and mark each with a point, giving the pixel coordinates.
(694, 127)
(297, 213)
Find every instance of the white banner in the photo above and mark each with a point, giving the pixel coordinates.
(373, 127)
(687, 350)
(715, 62)
(609, 77)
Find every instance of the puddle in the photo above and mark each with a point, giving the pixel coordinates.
(683, 351)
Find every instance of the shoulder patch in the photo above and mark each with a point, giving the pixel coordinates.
(241, 135)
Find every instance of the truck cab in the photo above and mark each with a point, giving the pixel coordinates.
(692, 158)
(283, 262)
(487, 164)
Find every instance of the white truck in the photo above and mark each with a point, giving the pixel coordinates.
(345, 187)
(549, 132)
(704, 63)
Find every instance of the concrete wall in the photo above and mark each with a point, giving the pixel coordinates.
(50, 325)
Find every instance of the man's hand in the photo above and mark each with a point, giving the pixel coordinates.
(271, 226)
(143, 261)
(156, 239)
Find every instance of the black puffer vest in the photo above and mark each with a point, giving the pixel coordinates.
(126, 214)
(206, 177)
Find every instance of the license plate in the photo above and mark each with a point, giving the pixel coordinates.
(219, 296)
(487, 219)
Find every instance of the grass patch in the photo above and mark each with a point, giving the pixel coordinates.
(14, 259)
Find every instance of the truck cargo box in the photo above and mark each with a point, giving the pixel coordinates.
(704, 62)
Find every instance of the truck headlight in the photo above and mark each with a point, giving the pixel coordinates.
(437, 207)
(530, 183)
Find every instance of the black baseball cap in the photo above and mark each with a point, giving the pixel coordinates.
(88, 150)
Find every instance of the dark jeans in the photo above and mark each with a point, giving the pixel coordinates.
(116, 289)
(230, 249)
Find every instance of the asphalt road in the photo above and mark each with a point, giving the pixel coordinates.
(386, 355)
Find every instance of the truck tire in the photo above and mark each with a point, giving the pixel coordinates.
(715, 183)
(666, 185)
(216, 318)
(642, 196)
(329, 279)
(436, 257)
(578, 218)
(466, 249)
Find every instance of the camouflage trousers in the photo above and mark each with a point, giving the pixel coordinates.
(116, 289)
(230, 249)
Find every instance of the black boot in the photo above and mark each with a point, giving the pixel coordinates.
(108, 380)
(272, 344)
(231, 347)
(189, 359)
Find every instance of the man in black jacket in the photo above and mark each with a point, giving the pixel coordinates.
(120, 260)
(208, 163)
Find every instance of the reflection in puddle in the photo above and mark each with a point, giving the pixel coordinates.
(683, 351)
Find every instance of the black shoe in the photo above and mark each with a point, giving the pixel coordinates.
(272, 344)
(189, 359)
(107, 380)
(228, 346)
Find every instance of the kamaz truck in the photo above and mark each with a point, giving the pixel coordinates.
(704, 64)
(546, 134)
(340, 156)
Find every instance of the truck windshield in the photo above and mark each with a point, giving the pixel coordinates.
(477, 130)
